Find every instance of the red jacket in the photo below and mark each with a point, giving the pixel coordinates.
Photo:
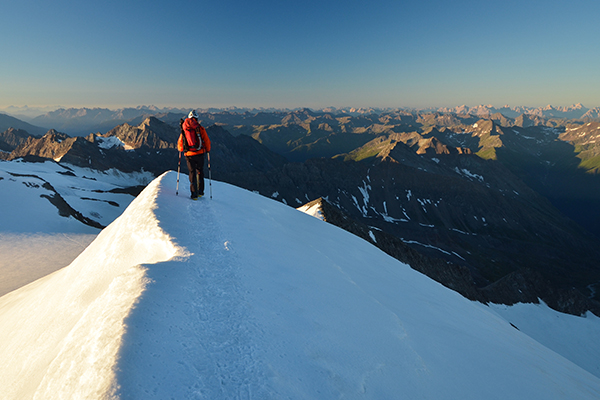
(196, 137)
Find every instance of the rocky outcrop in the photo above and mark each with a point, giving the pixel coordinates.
(12, 138)
(53, 145)
(151, 133)
(86, 152)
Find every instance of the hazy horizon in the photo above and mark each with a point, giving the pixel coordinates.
(233, 107)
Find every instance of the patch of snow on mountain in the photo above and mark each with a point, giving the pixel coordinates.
(468, 174)
(388, 218)
(364, 190)
(423, 203)
(360, 208)
(426, 245)
(463, 232)
(109, 142)
(372, 236)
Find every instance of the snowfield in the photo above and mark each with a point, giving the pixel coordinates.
(35, 239)
(26, 189)
(242, 297)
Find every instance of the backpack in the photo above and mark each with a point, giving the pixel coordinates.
(183, 144)
(182, 139)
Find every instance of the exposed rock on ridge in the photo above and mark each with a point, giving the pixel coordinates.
(151, 133)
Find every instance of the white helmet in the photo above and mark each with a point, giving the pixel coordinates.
(193, 114)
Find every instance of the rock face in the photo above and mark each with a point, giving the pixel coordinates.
(151, 133)
(79, 151)
(52, 145)
(10, 140)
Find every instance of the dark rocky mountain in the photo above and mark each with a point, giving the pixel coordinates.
(561, 163)
(53, 145)
(477, 214)
(537, 153)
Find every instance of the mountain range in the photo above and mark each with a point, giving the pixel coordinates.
(497, 208)
(82, 121)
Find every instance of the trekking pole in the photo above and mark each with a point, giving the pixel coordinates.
(209, 175)
(178, 168)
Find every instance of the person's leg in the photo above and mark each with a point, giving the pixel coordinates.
(192, 176)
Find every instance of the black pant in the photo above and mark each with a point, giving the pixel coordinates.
(196, 167)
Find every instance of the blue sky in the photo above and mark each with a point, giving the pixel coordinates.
(299, 53)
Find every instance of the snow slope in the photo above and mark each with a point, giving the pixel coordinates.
(243, 297)
(24, 206)
(26, 257)
(34, 238)
(575, 338)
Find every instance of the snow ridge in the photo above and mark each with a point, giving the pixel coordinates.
(62, 332)
(201, 294)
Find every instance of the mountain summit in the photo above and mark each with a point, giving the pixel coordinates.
(241, 296)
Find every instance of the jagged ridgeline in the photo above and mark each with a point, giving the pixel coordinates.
(507, 198)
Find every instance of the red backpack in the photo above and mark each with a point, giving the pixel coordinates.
(189, 140)
(189, 129)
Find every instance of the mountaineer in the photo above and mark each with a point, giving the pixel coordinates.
(194, 142)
